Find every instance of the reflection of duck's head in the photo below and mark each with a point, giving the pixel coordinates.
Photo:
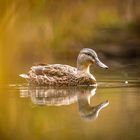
(91, 113)
(86, 111)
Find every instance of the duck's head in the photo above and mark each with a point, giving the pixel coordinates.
(86, 58)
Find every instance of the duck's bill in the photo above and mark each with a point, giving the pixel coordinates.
(100, 64)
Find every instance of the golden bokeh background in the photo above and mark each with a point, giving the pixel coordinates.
(51, 31)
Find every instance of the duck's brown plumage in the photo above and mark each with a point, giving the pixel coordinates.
(65, 75)
(58, 75)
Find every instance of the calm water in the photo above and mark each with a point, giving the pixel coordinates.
(110, 111)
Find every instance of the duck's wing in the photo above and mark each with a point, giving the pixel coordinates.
(57, 70)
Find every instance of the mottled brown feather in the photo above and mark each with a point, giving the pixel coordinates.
(58, 75)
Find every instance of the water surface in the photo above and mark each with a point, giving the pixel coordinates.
(110, 111)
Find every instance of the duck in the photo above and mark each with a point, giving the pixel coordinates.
(65, 75)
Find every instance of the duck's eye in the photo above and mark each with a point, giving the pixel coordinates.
(88, 54)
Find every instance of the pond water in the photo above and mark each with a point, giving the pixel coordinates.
(110, 111)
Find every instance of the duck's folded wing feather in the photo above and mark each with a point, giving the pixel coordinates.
(54, 70)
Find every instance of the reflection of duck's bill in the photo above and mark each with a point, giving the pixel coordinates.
(103, 105)
(100, 64)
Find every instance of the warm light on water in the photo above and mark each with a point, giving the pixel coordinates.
(70, 113)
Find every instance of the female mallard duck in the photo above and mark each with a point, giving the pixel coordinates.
(65, 75)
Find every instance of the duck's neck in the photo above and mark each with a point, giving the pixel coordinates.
(84, 68)
(83, 64)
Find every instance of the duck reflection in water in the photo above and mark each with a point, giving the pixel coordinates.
(59, 97)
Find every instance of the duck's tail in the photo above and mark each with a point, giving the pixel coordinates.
(26, 76)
